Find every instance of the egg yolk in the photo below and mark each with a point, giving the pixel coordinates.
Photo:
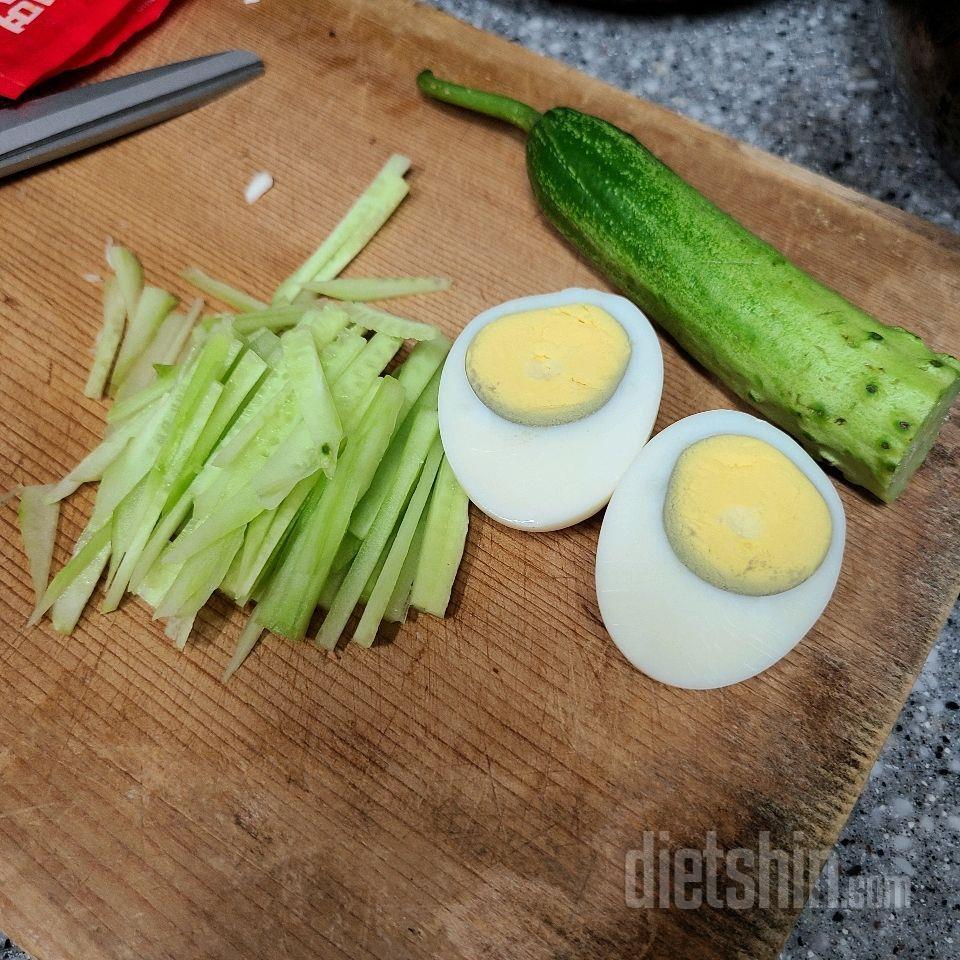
(744, 517)
(548, 366)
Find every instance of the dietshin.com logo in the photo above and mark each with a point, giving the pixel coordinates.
(659, 875)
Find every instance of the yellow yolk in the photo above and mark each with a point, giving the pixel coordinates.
(744, 517)
(548, 366)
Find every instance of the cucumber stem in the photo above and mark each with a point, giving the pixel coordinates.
(491, 104)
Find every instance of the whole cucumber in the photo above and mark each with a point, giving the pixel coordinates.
(858, 394)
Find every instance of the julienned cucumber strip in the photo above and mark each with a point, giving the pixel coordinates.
(212, 363)
(124, 531)
(245, 644)
(73, 569)
(329, 592)
(370, 212)
(199, 421)
(399, 602)
(443, 540)
(108, 341)
(295, 585)
(198, 578)
(93, 465)
(125, 471)
(864, 397)
(177, 510)
(355, 382)
(172, 337)
(317, 406)
(255, 484)
(335, 357)
(367, 509)
(415, 374)
(238, 495)
(158, 454)
(265, 344)
(325, 323)
(38, 528)
(221, 291)
(270, 318)
(419, 368)
(315, 541)
(152, 308)
(418, 444)
(296, 457)
(71, 603)
(341, 563)
(383, 322)
(159, 434)
(129, 406)
(136, 517)
(377, 288)
(169, 340)
(264, 536)
(211, 473)
(274, 398)
(381, 560)
(178, 630)
(241, 384)
(129, 272)
(386, 582)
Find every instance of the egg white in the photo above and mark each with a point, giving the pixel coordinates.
(545, 478)
(668, 622)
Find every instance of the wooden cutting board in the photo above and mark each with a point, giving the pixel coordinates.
(471, 787)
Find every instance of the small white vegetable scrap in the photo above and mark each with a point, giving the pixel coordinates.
(259, 184)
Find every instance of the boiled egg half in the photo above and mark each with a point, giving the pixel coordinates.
(719, 550)
(545, 401)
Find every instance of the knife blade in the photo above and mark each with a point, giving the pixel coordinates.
(50, 127)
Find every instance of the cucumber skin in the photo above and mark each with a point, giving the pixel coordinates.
(862, 396)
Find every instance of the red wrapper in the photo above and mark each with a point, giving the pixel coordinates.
(40, 38)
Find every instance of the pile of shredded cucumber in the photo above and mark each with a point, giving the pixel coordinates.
(263, 452)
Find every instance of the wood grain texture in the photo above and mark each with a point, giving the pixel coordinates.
(468, 789)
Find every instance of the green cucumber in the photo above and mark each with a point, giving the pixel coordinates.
(865, 397)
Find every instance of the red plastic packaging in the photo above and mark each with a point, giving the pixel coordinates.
(40, 38)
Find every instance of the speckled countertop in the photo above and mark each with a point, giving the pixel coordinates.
(808, 80)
